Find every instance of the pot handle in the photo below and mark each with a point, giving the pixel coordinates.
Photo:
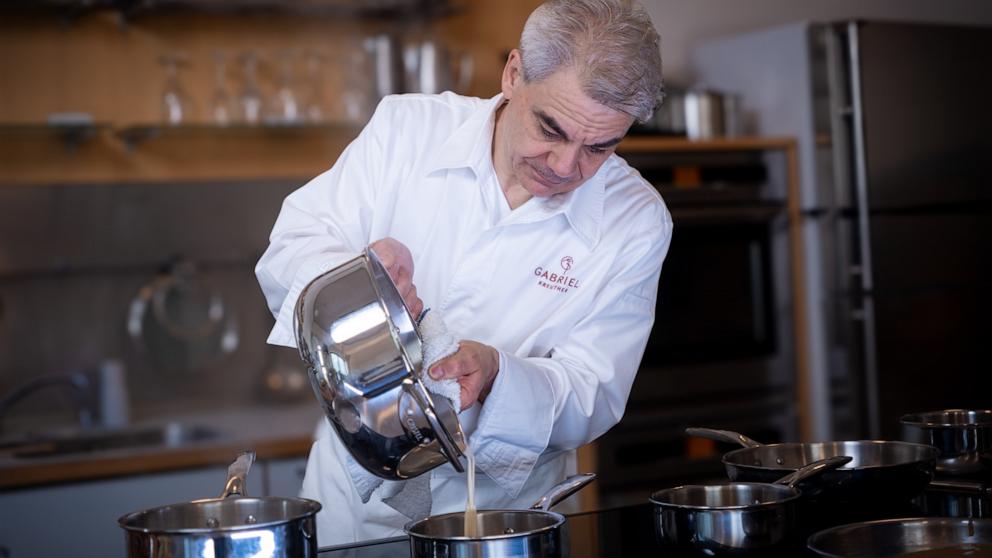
(728, 436)
(563, 490)
(813, 469)
(237, 473)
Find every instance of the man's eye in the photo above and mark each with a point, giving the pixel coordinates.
(548, 133)
(596, 150)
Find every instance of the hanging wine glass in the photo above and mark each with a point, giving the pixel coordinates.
(283, 106)
(222, 106)
(357, 99)
(176, 105)
(250, 99)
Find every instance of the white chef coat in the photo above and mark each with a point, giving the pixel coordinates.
(563, 287)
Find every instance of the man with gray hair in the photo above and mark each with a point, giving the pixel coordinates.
(514, 218)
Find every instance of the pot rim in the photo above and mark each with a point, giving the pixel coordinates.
(818, 537)
(923, 420)
(559, 521)
(796, 494)
(127, 521)
(932, 452)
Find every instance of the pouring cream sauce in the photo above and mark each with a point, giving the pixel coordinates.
(471, 516)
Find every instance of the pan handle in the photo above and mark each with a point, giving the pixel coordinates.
(722, 436)
(563, 490)
(237, 475)
(813, 469)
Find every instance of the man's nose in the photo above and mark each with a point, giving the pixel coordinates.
(563, 160)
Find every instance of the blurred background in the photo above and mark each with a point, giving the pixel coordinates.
(146, 147)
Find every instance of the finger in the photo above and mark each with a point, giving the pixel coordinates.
(418, 308)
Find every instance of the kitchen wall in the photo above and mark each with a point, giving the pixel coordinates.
(85, 226)
(685, 24)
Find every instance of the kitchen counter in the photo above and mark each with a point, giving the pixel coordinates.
(272, 432)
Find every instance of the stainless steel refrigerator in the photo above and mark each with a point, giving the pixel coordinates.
(894, 129)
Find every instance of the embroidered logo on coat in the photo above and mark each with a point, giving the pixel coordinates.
(558, 282)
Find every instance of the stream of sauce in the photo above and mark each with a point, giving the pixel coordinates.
(471, 516)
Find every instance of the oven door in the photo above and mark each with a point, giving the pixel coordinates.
(715, 300)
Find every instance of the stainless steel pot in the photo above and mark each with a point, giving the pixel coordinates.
(880, 470)
(365, 358)
(232, 525)
(964, 438)
(536, 532)
(921, 537)
(734, 518)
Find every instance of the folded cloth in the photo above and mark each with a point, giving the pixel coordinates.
(412, 497)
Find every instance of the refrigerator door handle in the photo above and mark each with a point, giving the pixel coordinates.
(864, 245)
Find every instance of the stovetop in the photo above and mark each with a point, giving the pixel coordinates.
(629, 530)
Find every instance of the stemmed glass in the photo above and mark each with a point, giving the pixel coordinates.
(177, 106)
(314, 97)
(357, 97)
(222, 107)
(250, 99)
(283, 105)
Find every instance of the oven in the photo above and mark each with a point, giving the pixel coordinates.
(721, 352)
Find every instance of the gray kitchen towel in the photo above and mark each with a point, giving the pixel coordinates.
(412, 497)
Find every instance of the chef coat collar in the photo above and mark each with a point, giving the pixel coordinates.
(470, 146)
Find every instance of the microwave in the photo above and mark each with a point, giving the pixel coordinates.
(716, 292)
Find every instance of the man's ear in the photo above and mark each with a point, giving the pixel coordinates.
(513, 73)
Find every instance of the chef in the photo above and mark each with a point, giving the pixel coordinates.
(513, 217)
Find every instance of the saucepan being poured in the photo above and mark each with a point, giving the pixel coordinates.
(365, 357)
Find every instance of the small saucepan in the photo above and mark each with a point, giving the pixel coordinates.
(881, 471)
(231, 525)
(536, 532)
(733, 519)
(964, 438)
(917, 537)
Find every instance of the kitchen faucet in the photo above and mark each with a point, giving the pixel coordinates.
(82, 394)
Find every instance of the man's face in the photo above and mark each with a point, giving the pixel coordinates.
(553, 136)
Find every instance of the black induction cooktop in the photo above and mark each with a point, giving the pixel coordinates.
(629, 531)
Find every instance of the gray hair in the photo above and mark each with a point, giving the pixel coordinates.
(613, 44)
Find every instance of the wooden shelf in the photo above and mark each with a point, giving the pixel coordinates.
(187, 153)
(387, 10)
(647, 144)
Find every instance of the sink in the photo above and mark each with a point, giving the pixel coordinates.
(171, 434)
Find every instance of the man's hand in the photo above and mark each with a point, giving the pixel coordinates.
(474, 366)
(398, 261)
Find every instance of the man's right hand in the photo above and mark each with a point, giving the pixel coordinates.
(398, 261)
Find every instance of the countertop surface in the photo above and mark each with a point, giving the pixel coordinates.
(271, 431)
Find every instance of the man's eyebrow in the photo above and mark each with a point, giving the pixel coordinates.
(551, 123)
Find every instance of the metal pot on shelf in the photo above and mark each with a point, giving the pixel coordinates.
(233, 524)
(365, 358)
(964, 438)
(536, 532)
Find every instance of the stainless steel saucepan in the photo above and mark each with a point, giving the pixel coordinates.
(232, 525)
(919, 537)
(879, 471)
(963, 436)
(733, 519)
(365, 360)
(536, 532)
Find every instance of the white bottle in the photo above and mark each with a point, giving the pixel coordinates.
(114, 404)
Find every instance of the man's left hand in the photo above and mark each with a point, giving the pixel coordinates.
(474, 366)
